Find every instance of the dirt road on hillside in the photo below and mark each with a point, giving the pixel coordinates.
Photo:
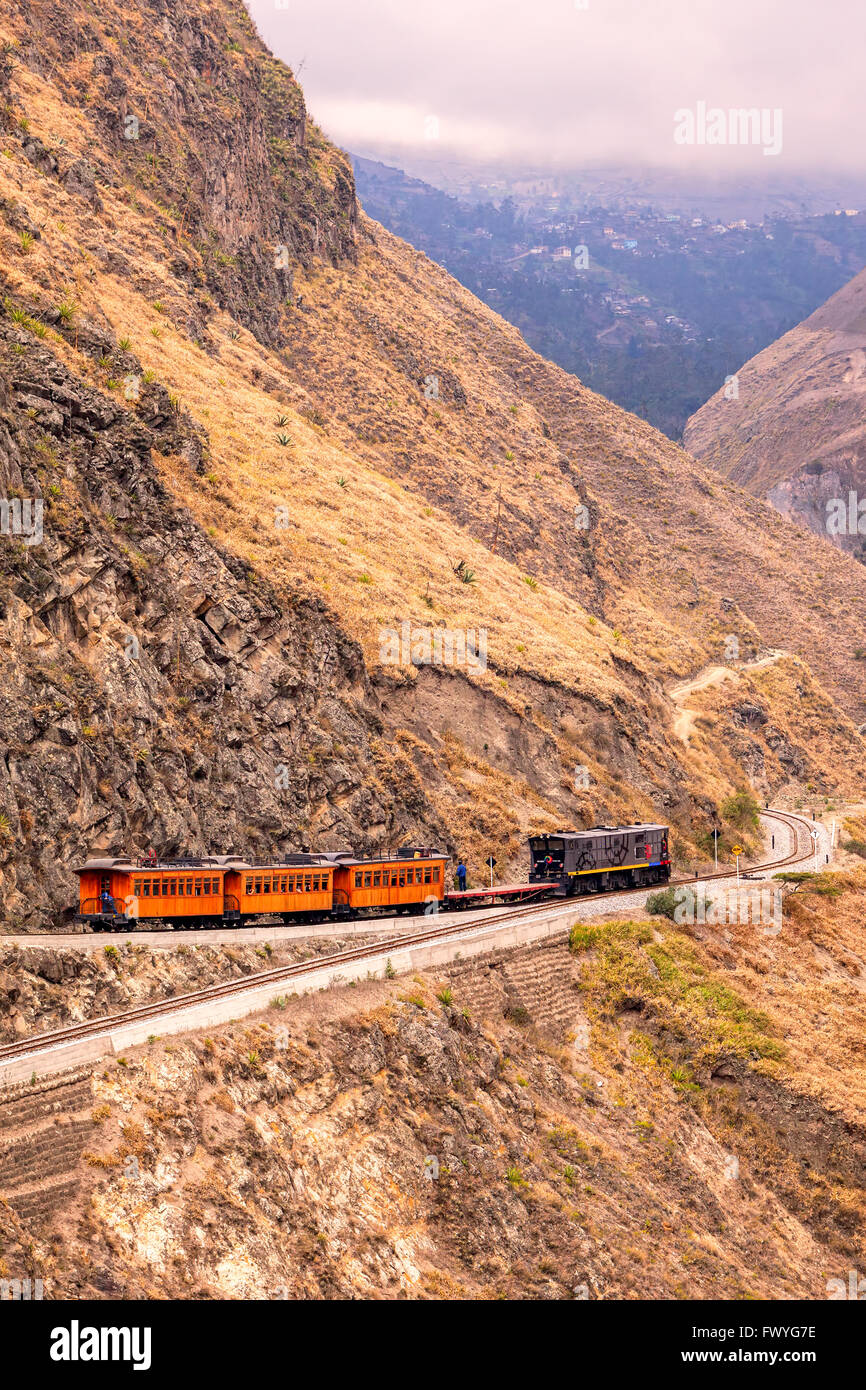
(711, 675)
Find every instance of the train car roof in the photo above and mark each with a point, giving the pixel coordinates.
(401, 857)
(598, 829)
(123, 864)
(226, 862)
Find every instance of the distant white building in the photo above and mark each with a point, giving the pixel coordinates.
(562, 253)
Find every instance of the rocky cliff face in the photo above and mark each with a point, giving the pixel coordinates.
(266, 438)
(152, 680)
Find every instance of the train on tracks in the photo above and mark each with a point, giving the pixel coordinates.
(226, 890)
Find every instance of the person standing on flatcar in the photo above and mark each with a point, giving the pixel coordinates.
(461, 877)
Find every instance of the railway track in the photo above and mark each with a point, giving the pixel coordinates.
(455, 928)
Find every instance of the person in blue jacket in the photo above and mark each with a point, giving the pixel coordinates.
(461, 877)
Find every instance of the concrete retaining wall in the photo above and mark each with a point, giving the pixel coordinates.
(117, 1037)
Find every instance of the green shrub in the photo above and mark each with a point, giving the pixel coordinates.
(741, 810)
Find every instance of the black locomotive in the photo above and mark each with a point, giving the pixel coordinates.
(605, 857)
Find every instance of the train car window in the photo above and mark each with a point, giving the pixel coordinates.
(283, 883)
(428, 874)
(172, 888)
(180, 887)
(291, 883)
(267, 887)
(377, 879)
(315, 883)
(138, 887)
(198, 888)
(258, 885)
(367, 879)
(165, 887)
(248, 885)
(419, 875)
(402, 878)
(394, 879)
(145, 888)
(357, 880)
(308, 883)
(436, 874)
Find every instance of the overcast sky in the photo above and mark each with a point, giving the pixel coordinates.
(546, 81)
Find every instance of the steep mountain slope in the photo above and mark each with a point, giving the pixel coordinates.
(795, 432)
(267, 435)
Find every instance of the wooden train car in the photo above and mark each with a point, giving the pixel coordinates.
(298, 890)
(406, 882)
(188, 891)
(225, 890)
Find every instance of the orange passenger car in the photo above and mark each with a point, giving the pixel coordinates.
(188, 891)
(225, 890)
(399, 883)
(299, 889)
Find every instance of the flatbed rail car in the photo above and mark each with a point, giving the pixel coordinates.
(226, 890)
(573, 862)
(461, 900)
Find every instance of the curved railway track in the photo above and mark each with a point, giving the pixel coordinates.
(455, 927)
